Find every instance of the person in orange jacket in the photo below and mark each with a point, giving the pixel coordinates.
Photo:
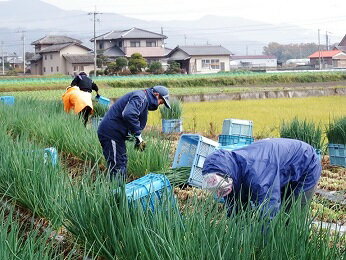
(79, 101)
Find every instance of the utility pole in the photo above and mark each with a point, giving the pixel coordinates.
(3, 58)
(23, 39)
(95, 54)
(319, 50)
(185, 38)
(327, 45)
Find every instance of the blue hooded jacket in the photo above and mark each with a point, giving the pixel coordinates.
(128, 114)
(263, 168)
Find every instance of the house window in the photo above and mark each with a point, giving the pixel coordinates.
(215, 64)
(151, 44)
(51, 69)
(44, 69)
(75, 68)
(101, 45)
(120, 44)
(57, 68)
(51, 56)
(205, 64)
(135, 43)
(81, 68)
(45, 57)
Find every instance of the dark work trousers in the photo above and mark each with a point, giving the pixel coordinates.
(85, 114)
(114, 150)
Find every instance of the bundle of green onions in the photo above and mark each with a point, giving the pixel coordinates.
(302, 130)
(336, 131)
(173, 113)
(177, 176)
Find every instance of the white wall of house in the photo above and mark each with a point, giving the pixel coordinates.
(72, 69)
(146, 47)
(209, 64)
(73, 49)
(269, 63)
(51, 63)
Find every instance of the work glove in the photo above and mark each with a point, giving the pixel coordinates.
(97, 96)
(139, 144)
(218, 184)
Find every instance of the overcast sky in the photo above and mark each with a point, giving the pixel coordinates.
(326, 15)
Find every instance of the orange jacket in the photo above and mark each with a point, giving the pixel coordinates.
(76, 99)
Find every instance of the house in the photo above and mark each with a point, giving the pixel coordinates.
(60, 55)
(342, 45)
(254, 61)
(201, 59)
(329, 59)
(124, 43)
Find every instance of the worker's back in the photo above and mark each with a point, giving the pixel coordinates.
(114, 123)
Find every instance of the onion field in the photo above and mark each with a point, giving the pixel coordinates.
(71, 210)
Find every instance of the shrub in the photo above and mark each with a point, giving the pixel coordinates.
(155, 67)
(137, 63)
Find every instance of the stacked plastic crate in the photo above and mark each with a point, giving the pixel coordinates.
(191, 152)
(236, 133)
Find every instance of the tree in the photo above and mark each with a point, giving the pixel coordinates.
(121, 63)
(284, 52)
(174, 68)
(101, 60)
(111, 69)
(137, 63)
(155, 67)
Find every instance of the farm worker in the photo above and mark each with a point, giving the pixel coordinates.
(79, 101)
(85, 84)
(265, 171)
(128, 117)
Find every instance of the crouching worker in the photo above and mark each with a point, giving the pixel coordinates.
(264, 173)
(128, 117)
(79, 101)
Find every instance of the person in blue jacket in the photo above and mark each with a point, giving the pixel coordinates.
(128, 117)
(263, 173)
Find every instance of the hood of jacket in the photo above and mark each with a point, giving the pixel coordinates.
(153, 102)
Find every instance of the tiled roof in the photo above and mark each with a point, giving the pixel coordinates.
(55, 39)
(203, 50)
(36, 57)
(114, 52)
(324, 54)
(59, 47)
(133, 33)
(79, 58)
(252, 57)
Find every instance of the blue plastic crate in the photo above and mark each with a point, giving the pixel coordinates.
(104, 101)
(191, 152)
(8, 100)
(240, 127)
(52, 154)
(337, 154)
(234, 139)
(170, 126)
(148, 189)
(232, 147)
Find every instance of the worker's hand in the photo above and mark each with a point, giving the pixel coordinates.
(98, 96)
(218, 184)
(140, 144)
